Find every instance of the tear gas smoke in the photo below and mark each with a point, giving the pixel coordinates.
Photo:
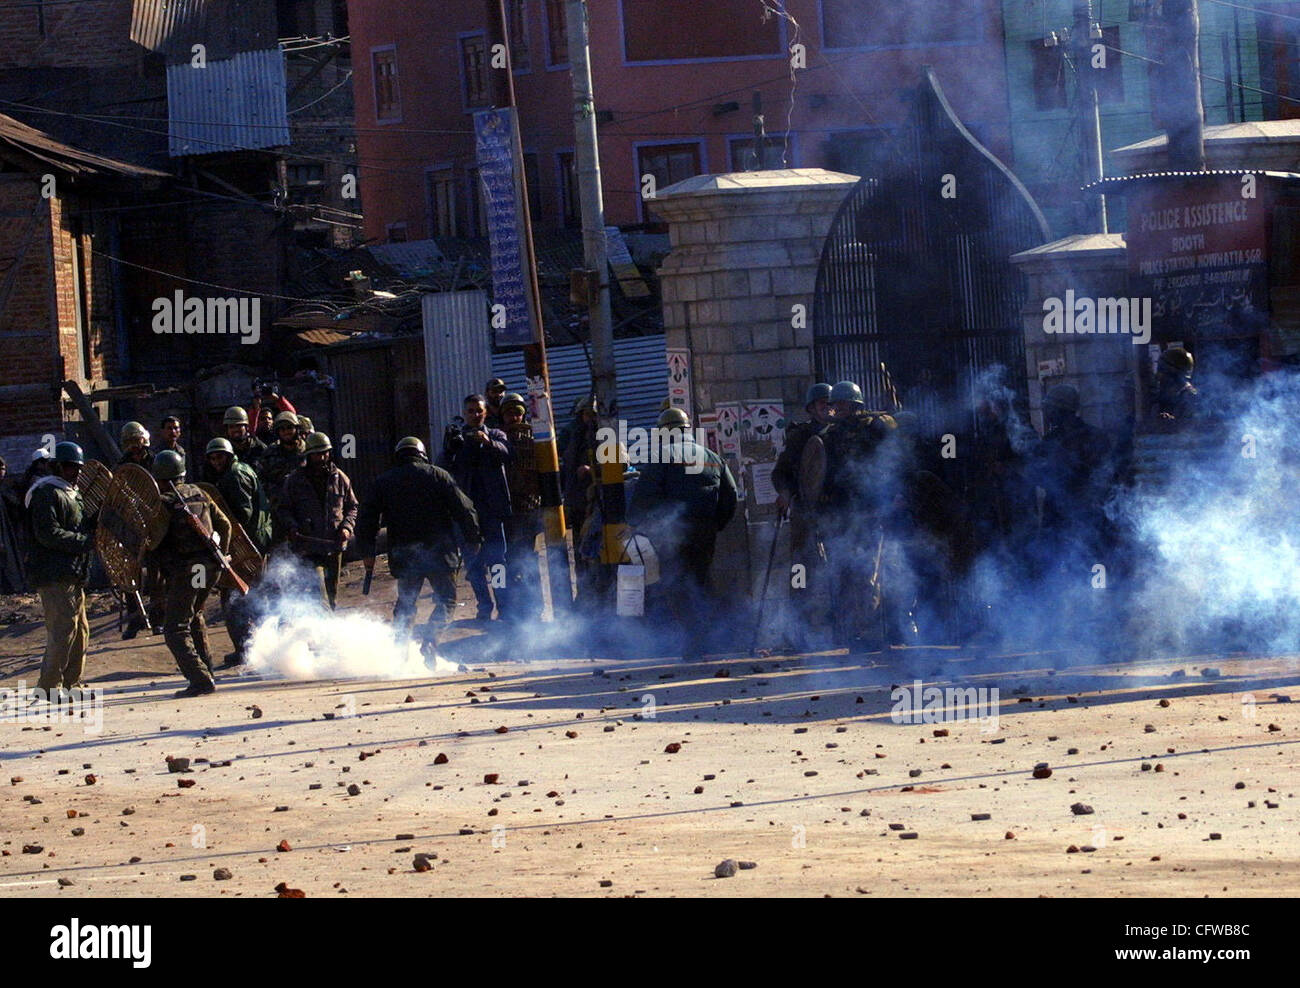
(297, 638)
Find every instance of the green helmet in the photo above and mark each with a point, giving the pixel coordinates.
(411, 446)
(168, 465)
(134, 432)
(514, 399)
(219, 445)
(318, 442)
(1177, 360)
(673, 418)
(1061, 398)
(235, 416)
(285, 418)
(846, 391)
(66, 452)
(304, 425)
(816, 393)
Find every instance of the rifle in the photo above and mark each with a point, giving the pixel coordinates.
(209, 538)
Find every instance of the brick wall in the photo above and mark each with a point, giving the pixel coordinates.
(79, 35)
(28, 396)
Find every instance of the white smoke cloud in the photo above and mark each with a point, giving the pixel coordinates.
(297, 638)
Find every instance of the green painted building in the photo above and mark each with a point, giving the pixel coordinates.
(1250, 70)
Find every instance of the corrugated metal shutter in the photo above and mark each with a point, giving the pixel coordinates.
(458, 353)
(233, 104)
(642, 366)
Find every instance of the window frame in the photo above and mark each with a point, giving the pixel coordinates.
(701, 146)
(374, 84)
(826, 46)
(461, 38)
(445, 170)
(791, 144)
(564, 28)
(783, 45)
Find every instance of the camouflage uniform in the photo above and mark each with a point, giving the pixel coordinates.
(189, 572)
(805, 541)
(319, 507)
(856, 495)
(524, 525)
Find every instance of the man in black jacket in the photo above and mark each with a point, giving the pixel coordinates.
(421, 506)
(477, 457)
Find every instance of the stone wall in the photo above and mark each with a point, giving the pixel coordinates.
(737, 292)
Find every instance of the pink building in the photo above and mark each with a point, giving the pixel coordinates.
(674, 81)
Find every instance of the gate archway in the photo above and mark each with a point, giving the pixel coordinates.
(915, 275)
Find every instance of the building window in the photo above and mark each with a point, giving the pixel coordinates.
(668, 30)
(521, 59)
(668, 163)
(557, 33)
(474, 69)
(570, 200)
(776, 154)
(478, 224)
(1049, 75)
(396, 233)
(388, 100)
(891, 23)
(441, 191)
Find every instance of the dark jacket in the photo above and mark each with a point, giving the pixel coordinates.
(60, 547)
(242, 492)
(680, 506)
(273, 467)
(303, 510)
(480, 471)
(421, 506)
(253, 450)
(785, 475)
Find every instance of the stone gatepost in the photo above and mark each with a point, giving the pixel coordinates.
(1102, 366)
(737, 293)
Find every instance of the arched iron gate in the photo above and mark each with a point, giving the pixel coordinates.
(915, 276)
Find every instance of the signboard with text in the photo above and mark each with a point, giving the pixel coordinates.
(495, 153)
(1198, 249)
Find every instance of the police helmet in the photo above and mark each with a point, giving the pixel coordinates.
(817, 392)
(67, 452)
(168, 465)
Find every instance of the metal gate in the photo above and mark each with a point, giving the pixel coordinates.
(915, 293)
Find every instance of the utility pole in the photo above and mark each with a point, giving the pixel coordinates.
(1088, 108)
(760, 138)
(587, 160)
(1180, 78)
(502, 83)
(604, 375)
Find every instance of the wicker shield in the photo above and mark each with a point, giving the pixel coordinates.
(244, 557)
(93, 482)
(132, 521)
(812, 471)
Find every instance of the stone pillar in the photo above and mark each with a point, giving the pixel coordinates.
(1102, 366)
(745, 250)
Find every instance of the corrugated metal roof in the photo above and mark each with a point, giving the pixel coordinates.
(223, 27)
(641, 363)
(410, 259)
(233, 104)
(1119, 182)
(458, 353)
(41, 145)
